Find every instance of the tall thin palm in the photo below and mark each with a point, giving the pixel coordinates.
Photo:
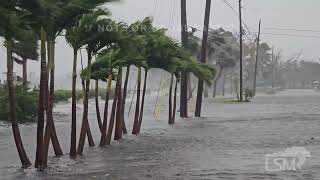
(9, 27)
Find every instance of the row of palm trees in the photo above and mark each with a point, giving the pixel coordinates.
(116, 46)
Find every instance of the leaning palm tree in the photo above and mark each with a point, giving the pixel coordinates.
(26, 49)
(103, 69)
(9, 27)
(77, 37)
(129, 53)
(100, 37)
(52, 17)
(124, 53)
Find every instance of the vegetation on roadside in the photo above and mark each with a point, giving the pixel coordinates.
(27, 101)
(116, 46)
(26, 104)
(66, 95)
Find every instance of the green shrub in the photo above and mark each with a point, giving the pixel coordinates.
(26, 104)
(65, 95)
(27, 101)
(62, 96)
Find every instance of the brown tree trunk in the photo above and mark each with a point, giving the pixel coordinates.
(113, 112)
(50, 131)
(105, 115)
(53, 135)
(119, 117)
(142, 100)
(136, 115)
(50, 128)
(12, 102)
(126, 81)
(24, 74)
(175, 102)
(85, 128)
(42, 100)
(170, 101)
(73, 142)
(96, 95)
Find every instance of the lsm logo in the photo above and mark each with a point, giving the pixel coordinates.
(292, 159)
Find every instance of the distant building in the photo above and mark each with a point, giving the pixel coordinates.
(3, 77)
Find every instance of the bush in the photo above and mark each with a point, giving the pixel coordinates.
(62, 96)
(27, 101)
(26, 104)
(65, 95)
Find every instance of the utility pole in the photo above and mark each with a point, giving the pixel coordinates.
(203, 56)
(272, 71)
(256, 63)
(241, 31)
(184, 79)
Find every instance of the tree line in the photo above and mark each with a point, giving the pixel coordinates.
(116, 45)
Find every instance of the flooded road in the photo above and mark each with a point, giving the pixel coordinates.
(230, 142)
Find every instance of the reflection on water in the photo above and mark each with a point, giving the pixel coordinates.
(229, 143)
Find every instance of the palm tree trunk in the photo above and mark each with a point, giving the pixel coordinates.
(170, 101)
(119, 117)
(136, 115)
(50, 127)
(73, 143)
(85, 128)
(12, 102)
(42, 100)
(124, 98)
(113, 111)
(105, 116)
(96, 93)
(24, 74)
(53, 135)
(142, 101)
(175, 102)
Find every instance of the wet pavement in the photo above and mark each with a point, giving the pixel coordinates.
(230, 142)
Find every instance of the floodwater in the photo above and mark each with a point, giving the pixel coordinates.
(230, 142)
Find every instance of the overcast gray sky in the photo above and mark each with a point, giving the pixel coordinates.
(285, 14)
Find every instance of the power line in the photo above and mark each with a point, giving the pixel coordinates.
(291, 29)
(237, 14)
(291, 35)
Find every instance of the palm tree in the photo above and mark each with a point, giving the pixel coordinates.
(26, 49)
(9, 27)
(96, 97)
(124, 53)
(100, 37)
(103, 69)
(77, 37)
(52, 17)
(125, 87)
